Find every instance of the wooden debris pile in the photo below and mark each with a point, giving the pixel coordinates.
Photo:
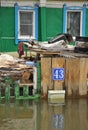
(14, 68)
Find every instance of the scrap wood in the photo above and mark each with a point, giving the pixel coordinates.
(14, 69)
(27, 84)
(6, 59)
(44, 51)
(4, 73)
(73, 54)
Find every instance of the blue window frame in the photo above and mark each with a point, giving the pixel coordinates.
(74, 9)
(26, 20)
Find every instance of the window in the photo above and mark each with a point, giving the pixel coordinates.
(26, 23)
(74, 20)
(74, 23)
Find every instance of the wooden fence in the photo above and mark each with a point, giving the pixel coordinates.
(75, 79)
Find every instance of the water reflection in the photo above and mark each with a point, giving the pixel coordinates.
(58, 121)
(40, 115)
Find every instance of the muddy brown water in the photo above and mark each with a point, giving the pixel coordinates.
(42, 115)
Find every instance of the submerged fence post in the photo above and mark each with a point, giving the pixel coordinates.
(0, 91)
(16, 90)
(25, 91)
(38, 76)
(7, 89)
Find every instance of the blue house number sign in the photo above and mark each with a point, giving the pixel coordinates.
(58, 73)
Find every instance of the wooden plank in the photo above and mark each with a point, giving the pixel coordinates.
(83, 76)
(50, 52)
(26, 84)
(76, 75)
(68, 90)
(73, 54)
(46, 78)
(43, 51)
(72, 76)
(58, 62)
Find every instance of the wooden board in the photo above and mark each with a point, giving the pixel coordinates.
(73, 54)
(58, 63)
(46, 78)
(72, 75)
(83, 76)
(42, 51)
(47, 64)
(76, 75)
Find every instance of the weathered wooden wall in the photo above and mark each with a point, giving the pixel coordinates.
(72, 75)
(46, 78)
(76, 75)
(46, 73)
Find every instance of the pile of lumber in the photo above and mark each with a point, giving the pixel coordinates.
(14, 68)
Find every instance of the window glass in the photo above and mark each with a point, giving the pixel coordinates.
(74, 22)
(26, 23)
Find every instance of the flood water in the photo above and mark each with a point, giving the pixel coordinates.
(42, 115)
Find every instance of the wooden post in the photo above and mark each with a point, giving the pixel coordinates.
(58, 63)
(83, 76)
(7, 92)
(46, 76)
(17, 90)
(34, 80)
(38, 65)
(25, 91)
(72, 75)
(0, 91)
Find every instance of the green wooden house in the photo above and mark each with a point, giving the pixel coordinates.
(40, 20)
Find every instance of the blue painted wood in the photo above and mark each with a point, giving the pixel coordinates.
(16, 23)
(64, 18)
(84, 20)
(17, 8)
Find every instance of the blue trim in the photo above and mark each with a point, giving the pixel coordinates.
(36, 23)
(26, 8)
(64, 18)
(17, 8)
(84, 20)
(16, 23)
(74, 8)
(83, 9)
